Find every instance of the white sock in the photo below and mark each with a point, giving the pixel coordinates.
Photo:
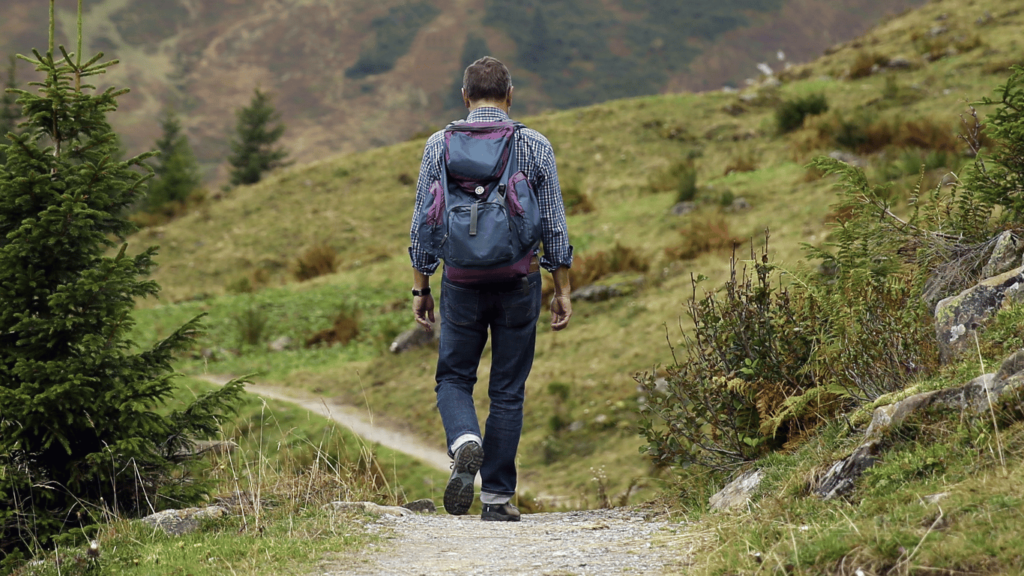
(488, 498)
(464, 439)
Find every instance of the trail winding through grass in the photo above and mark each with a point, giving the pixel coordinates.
(353, 418)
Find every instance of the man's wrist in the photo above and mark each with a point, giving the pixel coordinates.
(424, 291)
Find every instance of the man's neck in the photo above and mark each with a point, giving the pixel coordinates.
(503, 106)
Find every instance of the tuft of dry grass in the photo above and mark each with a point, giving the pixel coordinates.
(702, 236)
(344, 330)
(318, 260)
(865, 63)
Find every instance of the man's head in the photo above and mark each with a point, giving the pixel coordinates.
(487, 81)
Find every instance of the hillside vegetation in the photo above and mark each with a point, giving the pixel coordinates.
(351, 76)
(623, 166)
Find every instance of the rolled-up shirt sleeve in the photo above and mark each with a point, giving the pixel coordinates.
(430, 171)
(554, 230)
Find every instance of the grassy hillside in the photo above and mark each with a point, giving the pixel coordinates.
(355, 75)
(893, 98)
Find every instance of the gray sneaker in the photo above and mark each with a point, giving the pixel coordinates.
(506, 512)
(458, 495)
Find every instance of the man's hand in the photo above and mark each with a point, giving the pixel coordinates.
(561, 311)
(423, 309)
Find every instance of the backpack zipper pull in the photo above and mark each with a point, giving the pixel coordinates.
(474, 212)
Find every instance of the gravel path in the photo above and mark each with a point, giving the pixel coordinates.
(590, 542)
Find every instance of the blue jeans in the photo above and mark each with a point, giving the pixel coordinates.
(466, 315)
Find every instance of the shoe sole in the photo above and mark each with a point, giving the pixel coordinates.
(499, 518)
(458, 495)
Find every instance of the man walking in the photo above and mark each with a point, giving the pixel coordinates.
(504, 300)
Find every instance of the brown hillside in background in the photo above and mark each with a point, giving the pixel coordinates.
(205, 57)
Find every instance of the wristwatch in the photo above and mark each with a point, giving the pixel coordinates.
(421, 291)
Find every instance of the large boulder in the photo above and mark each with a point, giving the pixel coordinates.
(957, 318)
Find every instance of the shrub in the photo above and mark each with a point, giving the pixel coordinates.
(790, 114)
(704, 235)
(575, 201)
(680, 176)
(745, 161)
(251, 326)
(319, 260)
(865, 133)
(865, 63)
(741, 368)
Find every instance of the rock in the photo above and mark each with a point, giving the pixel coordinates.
(415, 337)
(1010, 367)
(683, 208)
(370, 508)
(737, 492)
(424, 506)
(181, 522)
(602, 292)
(1001, 393)
(839, 479)
(1005, 256)
(280, 345)
(851, 159)
(899, 63)
(576, 426)
(937, 31)
(957, 317)
(935, 498)
(739, 205)
(206, 447)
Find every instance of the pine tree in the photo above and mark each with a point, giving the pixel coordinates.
(80, 426)
(253, 149)
(10, 113)
(176, 173)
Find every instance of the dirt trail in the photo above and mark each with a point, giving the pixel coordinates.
(599, 542)
(352, 418)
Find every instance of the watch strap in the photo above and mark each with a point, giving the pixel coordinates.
(421, 291)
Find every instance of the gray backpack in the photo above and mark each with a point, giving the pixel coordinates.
(484, 219)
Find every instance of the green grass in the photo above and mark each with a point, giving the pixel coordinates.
(358, 204)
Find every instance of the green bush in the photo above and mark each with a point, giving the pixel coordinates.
(790, 114)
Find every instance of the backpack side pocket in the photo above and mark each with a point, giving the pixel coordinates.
(525, 209)
(432, 221)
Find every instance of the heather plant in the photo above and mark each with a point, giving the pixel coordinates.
(82, 432)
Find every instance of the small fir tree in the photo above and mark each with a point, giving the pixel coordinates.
(10, 112)
(254, 150)
(81, 430)
(176, 173)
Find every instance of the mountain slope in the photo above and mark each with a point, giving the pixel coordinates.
(622, 158)
(356, 75)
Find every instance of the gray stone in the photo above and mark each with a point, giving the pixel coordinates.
(937, 31)
(839, 479)
(280, 345)
(206, 448)
(1005, 256)
(595, 293)
(851, 159)
(739, 205)
(424, 506)
(181, 522)
(899, 63)
(737, 493)
(683, 208)
(979, 398)
(958, 317)
(369, 508)
(415, 337)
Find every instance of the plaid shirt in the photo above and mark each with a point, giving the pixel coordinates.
(537, 161)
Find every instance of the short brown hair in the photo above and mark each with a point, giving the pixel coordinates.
(486, 79)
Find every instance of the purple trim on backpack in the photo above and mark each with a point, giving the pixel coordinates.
(513, 199)
(437, 208)
(464, 276)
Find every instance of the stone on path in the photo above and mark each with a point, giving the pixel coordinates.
(370, 508)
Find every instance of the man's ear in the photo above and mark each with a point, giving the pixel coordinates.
(465, 100)
(508, 97)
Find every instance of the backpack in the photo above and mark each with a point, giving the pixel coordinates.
(484, 218)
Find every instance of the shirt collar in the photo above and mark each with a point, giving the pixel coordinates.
(487, 114)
